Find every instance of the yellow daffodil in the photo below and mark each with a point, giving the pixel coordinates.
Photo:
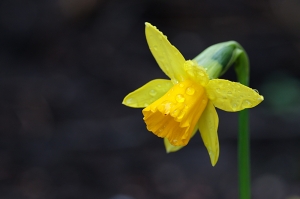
(175, 109)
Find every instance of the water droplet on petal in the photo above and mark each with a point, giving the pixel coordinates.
(180, 98)
(168, 106)
(175, 81)
(190, 91)
(131, 102)
(210, 152)
(246, 104)
(161, 131)
(152, 92)
(256, 91)
(161, 108)
(234, 105)
(181, 85)
(175, 113)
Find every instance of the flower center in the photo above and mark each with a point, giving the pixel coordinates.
(176, 114)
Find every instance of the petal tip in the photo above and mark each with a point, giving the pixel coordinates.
(261, 98)
(213, 160)
(168, 150)
(214, 156)
(149, 25)
(129, 101)
(169, 147)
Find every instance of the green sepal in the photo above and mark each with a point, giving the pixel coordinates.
(219, 57)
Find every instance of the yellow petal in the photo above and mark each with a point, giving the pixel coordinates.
(171, 148)
(176, 114)
(195, 72)
(169, 59)
(148, 93)
(208, 127)
(232, 96)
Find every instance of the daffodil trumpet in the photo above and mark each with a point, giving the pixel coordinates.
(176, 109)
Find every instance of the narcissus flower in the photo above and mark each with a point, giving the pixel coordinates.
(175, 109)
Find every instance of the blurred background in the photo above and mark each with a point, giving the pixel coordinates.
(66, 65)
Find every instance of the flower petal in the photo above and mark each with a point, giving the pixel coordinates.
(232, 96)
(208, 126)
(168, 57)
(171, 148)
(148, 93)
(196, 72)
(176, 114)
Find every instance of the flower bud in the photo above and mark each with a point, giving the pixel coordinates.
(217, 58)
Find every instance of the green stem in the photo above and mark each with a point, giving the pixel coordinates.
(242, 70)
(244, 156)
(217, 59)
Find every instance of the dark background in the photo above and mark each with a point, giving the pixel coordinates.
(66, 66)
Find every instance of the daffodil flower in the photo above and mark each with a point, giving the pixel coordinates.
(175, 109)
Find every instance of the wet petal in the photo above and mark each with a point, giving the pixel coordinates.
(232, 96)
(208, 126)
(176, 114)
(148, 93)
(196, 73)
(171, 148)
(169, 59)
